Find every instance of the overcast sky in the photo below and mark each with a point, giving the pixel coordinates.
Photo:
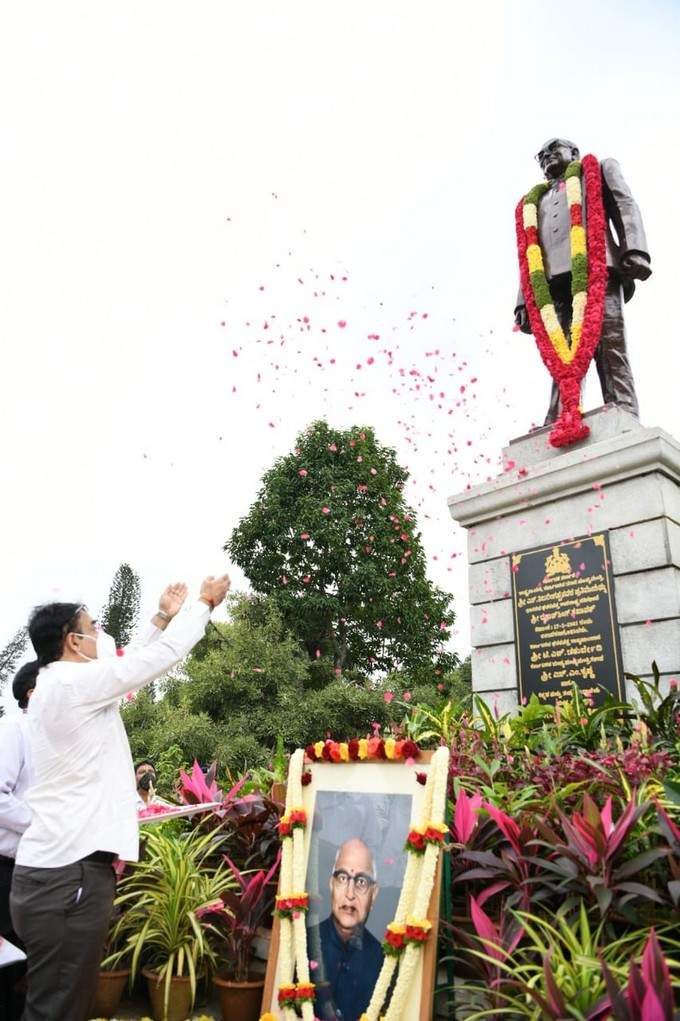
(182, 184)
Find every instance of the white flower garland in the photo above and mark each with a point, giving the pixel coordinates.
(414, 898)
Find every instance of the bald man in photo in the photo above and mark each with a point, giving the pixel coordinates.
(350, 956)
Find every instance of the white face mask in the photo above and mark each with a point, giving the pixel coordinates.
(105, 645)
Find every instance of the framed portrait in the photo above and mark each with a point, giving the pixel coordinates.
(358, 818)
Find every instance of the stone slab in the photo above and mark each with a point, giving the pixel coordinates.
(604, 423)
(494, 668)
(500, 702)
(643, 643)
(645, 545)
(622, 505)
(492, 623)
(490, 579)
(649, 595)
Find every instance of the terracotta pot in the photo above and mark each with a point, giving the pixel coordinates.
(179, 1002)
(239, 1001)
(109, 992)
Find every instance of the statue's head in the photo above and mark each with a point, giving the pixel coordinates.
(555, 155)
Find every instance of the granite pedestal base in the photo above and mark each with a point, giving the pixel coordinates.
(624, 478)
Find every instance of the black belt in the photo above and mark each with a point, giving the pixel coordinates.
(4, 860)
(102, 857)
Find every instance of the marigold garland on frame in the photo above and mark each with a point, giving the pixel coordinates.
(567, 363)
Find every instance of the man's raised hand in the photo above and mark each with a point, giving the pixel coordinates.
(213, 590)
(172, 598)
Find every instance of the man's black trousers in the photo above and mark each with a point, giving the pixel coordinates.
(62, 916)
(12, 978)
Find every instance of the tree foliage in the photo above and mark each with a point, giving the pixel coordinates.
(119, 616)
(332, 541)
(248, 683)
(11, 654)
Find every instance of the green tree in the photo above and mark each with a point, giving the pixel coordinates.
(10, 656)
(332, 541)
(119, 616)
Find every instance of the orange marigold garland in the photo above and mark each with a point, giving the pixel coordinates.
(567, 363)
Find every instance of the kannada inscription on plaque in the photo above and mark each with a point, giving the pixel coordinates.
(566, 631)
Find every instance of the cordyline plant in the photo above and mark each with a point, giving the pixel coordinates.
(201, 788)
(512, 868)
(236, 916)
(649, 993)
(564, 970)
(586, 859)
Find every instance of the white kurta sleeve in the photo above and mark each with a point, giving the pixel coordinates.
(101, 682)
(15, 814)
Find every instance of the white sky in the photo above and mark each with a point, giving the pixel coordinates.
(161, 162)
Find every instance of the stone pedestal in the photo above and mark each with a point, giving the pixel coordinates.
(624, 478)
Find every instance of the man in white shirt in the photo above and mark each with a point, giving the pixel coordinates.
(84, 793)
(15, 815)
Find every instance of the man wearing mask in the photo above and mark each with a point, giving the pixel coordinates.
(145, 777)
(15, 815)
(83, 796)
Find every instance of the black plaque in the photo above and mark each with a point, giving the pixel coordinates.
(566, 630)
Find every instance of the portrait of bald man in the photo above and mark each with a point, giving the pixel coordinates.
(349, 957)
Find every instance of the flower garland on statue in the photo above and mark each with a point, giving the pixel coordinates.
(404, 936)
(567, 363)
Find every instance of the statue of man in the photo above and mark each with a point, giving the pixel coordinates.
(627, 260)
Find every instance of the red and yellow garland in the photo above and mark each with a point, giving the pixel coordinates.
(363, 748)
(567, 363)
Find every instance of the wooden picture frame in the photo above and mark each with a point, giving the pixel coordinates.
(365, 779)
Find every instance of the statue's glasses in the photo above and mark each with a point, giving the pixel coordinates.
(553, 147)
(362, 882)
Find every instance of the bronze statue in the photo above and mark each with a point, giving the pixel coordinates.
(627, 260)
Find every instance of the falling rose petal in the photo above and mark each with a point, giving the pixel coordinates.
(129, 696)
(306, 579)
(342, 323)
(325, 510)
(332, 447)
(388, 696)
(303, 473)
(411, 762)
(304, 535)
(407, 696)
(313, 965)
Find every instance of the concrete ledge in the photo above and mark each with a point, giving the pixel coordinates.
(623, 504)
(604, 424)
(621, 457)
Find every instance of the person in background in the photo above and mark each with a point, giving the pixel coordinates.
(84, 792)
(145, 777)
(15, 815)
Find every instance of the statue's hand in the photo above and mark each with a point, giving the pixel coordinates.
(522, 319)
(636, 265)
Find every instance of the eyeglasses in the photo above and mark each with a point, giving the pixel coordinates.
(553, 147)
(362, 882)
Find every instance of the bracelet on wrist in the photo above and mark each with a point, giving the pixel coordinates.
(164, 616)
